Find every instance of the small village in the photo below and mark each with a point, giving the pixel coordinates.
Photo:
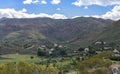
(98, 47)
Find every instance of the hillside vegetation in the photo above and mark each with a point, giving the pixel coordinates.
(17, 33)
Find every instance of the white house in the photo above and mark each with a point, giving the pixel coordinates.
(116, 53)
(86, 50)
(99, 42)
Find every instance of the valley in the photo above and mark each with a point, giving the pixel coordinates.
(60, 46)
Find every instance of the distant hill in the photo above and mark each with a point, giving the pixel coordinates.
(16, 33)
(110, 34)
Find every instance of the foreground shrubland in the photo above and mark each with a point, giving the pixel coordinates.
(26, 68)
(97, 64)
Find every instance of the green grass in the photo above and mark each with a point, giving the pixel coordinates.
(27, 58)
(63, 63)
(19, 57)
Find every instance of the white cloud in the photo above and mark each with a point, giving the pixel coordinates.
(55, 1)
(23, 10)
(35, 1)
(27, 2)
(12, 13)
(43, 2)
(113, 14)
(58, 16)
(58, 9)
(75, 17)
(30, 1)
(96, 2)
(85, 7)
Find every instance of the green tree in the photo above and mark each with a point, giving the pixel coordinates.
(41, 53)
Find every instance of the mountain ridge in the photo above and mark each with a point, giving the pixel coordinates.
(50, 30)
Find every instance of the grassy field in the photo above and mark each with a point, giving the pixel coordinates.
(35, 59)
(62, 64)
(18, 58)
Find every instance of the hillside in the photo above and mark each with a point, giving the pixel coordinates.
(16, 33)
(111, 34)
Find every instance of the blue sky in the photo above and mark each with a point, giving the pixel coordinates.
(59, 9)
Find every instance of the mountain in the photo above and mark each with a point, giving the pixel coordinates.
(110, 34)
(16, 34)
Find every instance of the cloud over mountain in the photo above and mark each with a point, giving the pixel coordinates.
(12, 13)
(113, 14)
